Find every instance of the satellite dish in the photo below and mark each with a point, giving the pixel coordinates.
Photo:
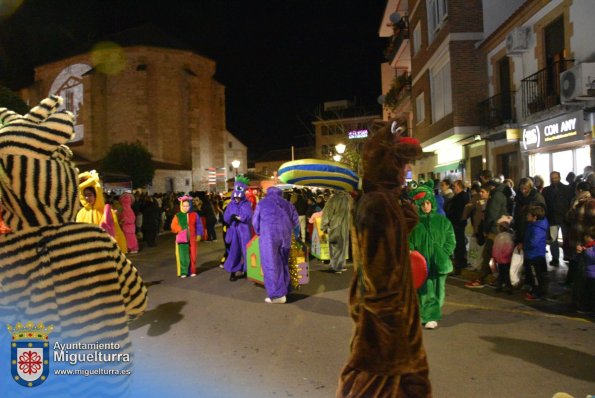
(380, 99)
(395, 17)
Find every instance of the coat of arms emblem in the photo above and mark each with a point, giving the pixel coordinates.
(29, 348)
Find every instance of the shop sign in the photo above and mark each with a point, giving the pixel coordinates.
(354, 134)
(559, 130)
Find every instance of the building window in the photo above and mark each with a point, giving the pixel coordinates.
(229, 144)
(420, 109)
(324, 150)
(187, 181)
(441, 95)
(563, 162)
(437, 13)
(417, 39)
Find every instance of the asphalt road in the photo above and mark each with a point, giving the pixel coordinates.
(209, 337)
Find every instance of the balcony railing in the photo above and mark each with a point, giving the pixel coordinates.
(400, 89)
(541, 90)
(401, 33)
(498, 110)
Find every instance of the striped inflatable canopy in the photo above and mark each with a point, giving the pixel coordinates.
(318, 173)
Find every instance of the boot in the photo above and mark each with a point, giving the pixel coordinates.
(233, 277)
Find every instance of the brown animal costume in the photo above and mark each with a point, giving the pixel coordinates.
(53, 270)
(387, 355)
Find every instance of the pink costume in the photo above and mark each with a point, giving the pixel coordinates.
(128, 221)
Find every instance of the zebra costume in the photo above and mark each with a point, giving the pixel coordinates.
(52, 269)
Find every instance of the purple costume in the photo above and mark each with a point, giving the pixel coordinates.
(274, 220)
(238, 215)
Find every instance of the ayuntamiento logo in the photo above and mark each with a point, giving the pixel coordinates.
(29, 352)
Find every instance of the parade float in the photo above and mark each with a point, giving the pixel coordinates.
(318, 173)
(298, 263)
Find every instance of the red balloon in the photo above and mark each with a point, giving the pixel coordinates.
(419, 268)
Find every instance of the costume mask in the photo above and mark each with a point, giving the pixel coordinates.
(240, 187)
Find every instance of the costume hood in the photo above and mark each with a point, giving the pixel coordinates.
(240, 187)
(385, 155)
(422, 192)
(274, 191)
(90, 179)
(38, 181)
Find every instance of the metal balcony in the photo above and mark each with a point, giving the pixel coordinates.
(498, 110)
(541, 90)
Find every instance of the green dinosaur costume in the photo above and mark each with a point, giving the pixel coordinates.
(434, 238)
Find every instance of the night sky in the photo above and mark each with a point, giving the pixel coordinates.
(279, 59)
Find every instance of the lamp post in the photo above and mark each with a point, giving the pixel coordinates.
(340, 148)
(235, 164)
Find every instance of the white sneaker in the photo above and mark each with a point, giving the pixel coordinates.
(432, 325)
(192, 275)
(182, 276)
(278, 300)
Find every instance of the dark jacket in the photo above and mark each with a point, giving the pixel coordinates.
(456, 208)
(495, 208)
(522, 204)
(151, 216)
(536, 234)
(557, 198)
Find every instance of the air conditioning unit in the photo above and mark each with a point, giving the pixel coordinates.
(517, 41)
(578, 83)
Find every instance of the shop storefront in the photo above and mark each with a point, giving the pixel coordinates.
(449, 162)
(557, 144)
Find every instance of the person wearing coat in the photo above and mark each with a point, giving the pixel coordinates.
(557, 198)
(238, 215)
(434, 238)
(495, 208)
(335, 223)
(127, 219)
(528, 196)
(454, 212)
(151, 220)
(275, 219)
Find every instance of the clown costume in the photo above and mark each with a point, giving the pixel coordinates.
(188, 229)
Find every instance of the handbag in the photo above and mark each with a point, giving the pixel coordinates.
(516, 267)
(182, 237)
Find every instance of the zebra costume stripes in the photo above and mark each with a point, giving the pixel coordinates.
(52, 269)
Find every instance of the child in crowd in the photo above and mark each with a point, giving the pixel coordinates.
(502, 253)
(534, 252)
(587, 303)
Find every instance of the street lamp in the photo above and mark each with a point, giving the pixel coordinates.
(337, 158)
(235, 164)
(340, 148)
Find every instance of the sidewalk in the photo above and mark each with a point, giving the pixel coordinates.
(558, 299)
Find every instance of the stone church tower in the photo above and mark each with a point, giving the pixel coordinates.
(164, 98)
